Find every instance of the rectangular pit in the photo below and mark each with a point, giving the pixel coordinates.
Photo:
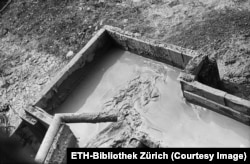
(56, 92)
(73, 74)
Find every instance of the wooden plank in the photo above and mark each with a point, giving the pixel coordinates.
(237, 103)
(143, 47)
(205, 91)
(39, 114)
(48, 140)
(176, 57)
(58, 121)
(87, 118)
(186, 77)
(58, 150)
(236, 115)
(27, 118)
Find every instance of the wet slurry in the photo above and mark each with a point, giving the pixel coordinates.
(123, 80)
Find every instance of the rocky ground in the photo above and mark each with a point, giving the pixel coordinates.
(36, 35)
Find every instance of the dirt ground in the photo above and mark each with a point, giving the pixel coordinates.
(36, 35)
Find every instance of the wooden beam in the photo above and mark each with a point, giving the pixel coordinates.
(48, 140)
(39, 114)
(68, 118)
(87, 118)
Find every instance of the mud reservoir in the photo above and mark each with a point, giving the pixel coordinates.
(152, 89)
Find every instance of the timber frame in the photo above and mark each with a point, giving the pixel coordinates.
(199, 83)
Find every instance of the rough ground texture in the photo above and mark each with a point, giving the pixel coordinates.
(35, 36)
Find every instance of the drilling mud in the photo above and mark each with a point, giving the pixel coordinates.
(152, 111)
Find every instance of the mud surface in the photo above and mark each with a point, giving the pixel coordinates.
(148, 98)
